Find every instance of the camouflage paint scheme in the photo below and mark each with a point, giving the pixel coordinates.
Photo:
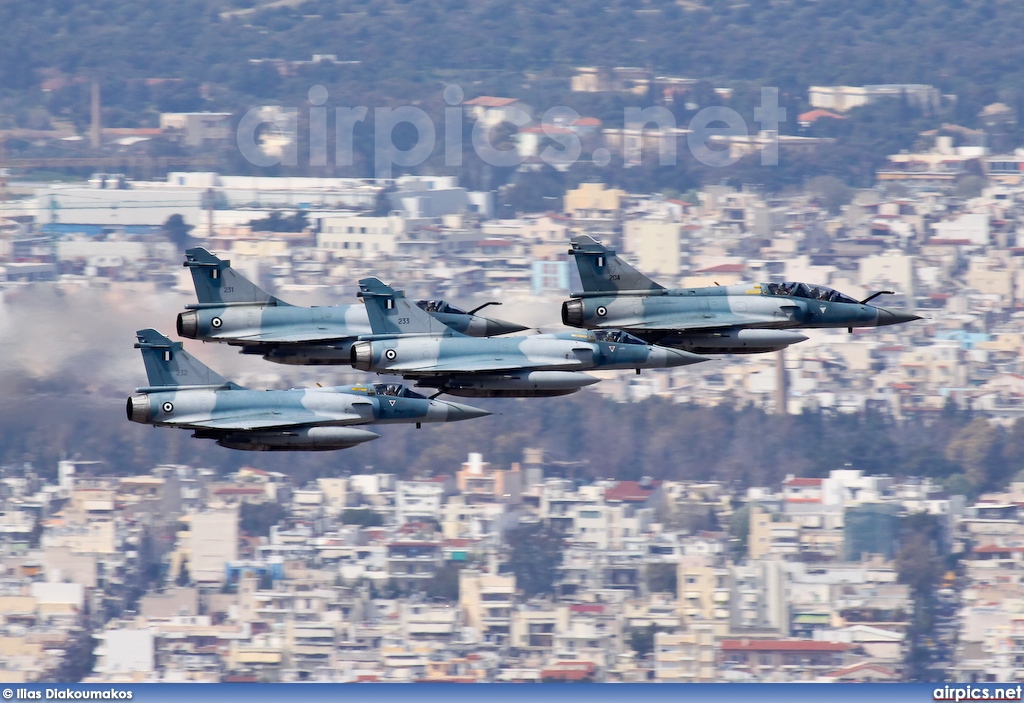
(184, 393)
(737, 319)
(408, 342)
(234, 310)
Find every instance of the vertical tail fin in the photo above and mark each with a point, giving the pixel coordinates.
(168, 365)
(601, 271)
(390, 312)
(217, 283)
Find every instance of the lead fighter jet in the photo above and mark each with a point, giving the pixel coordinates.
(186, 394)
(234, 310)
(739, 319)
(408, 342)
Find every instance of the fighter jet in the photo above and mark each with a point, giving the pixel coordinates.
(410, 343)
(737, 319)
(184, 393)
(234, 310)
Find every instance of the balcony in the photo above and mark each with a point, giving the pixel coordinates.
(502, 597)
(411, 575)
(311, 650)
(430, 628)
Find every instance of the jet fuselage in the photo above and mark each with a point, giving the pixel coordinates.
(745, 318)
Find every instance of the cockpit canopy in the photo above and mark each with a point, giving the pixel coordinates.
(397, 390)
(802, 290)
(616, 337)
(439, 306)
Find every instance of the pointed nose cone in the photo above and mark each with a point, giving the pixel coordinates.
(678, 357)
(498, 327)
(894, 317)
(458, 411)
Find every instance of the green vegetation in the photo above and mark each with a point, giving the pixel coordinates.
(406, 49)
(920, 565)
(662, 578)
(184, 575)
(536, 553)
(445, 584)
(198, 55)
(79, 657)
(641, 640)
(256, 519)
(739, 532)
(361, 516)
(741, 446)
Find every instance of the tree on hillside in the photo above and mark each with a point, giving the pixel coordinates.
(739, 532)
(830, 192)
(536, 554)
(641, 640)
(662, 578)
(976, 448)
(256, 519)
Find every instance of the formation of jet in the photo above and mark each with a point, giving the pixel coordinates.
(184, 393)
(236, 311)
(628, 322)
(410, 343)
(737, 319)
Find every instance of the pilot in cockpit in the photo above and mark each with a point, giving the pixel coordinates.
(392, 389)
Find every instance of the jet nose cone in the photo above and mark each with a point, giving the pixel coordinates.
(894, 317)
(678, 357)
(458, 411)
(499, 327)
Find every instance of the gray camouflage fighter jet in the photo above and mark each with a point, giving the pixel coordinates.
(234, 310)
(410, 343)
(184, 393)
(738, 319)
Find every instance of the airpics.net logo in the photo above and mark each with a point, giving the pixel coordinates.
(268, 137)
(977, 693)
